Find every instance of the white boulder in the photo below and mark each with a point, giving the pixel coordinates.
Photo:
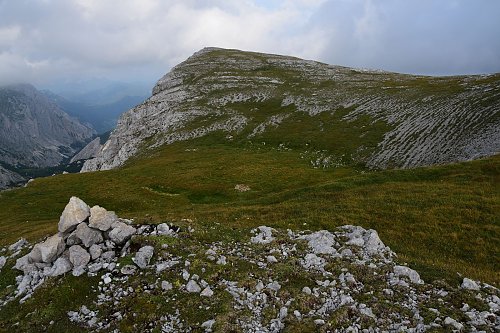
(101, 219)
(75, 212)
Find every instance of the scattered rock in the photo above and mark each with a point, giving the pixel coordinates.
(128, 270)
(271, 259)
(165, 285)
(321, 242)
(207, 325)
(143, 256)
(409, 273)
(453, 323)
(75, 212)
(18, 245)
(312, 261)
(265, 235)
(469, 284)
(193, 287)
(207, 292)
(3, 260)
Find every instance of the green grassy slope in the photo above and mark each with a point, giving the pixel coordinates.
(441, 220)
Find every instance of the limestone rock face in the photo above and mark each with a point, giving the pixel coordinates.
(75, 212)
(87, 235)
(9, 178)
(101, 219)
(48, 251)
(89, 151)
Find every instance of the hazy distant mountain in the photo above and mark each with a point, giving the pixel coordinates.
(102, 117)
(34, 131)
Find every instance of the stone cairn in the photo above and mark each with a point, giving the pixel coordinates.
(88, 240)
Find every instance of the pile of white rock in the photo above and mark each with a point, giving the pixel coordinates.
(88, 240)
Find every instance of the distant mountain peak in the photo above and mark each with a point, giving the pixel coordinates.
(34, 131)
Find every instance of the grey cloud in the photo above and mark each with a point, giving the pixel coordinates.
(43, 41)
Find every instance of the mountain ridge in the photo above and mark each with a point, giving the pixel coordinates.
(386, 120)
(35, 132)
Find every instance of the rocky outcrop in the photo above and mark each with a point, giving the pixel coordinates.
(89, 151)
(34, 131)
(9, 178)
(419, 120)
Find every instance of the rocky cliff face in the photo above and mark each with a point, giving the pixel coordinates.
(35, 132)
(379, 119)
(8, 178)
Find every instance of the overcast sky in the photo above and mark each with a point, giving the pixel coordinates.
(49, 41)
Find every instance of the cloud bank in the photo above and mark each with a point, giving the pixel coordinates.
(49, 41)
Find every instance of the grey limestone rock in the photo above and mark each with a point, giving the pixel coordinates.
(193, 286)
(48, 250)
(165, 285)
(89, 151)
(25, 264)
(312, 261)
(207, 325)
(87, 235)
(78, 256)
(3, 260)
(18, 245)
(469, 284)
(95, 251)
(101, 219)
(264, 235)
(143, 256)
(75, 212)
(164, 229)
(121, 232)
(409, 273)
(9, 178)
(207, 292)
(128, 270)
(321, 242)
(73, 239)
(373, 243)
(61, 266)
(78, 270)
(448, 321)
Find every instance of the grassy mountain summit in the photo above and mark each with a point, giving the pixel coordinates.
(338, 115)
(220, 153)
